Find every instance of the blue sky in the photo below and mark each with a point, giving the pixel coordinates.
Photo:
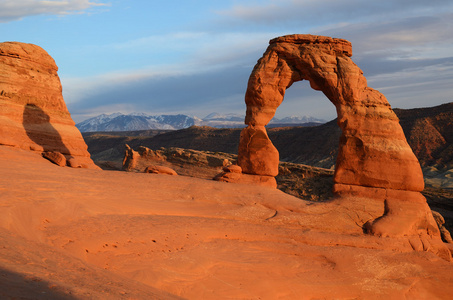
(195, 57)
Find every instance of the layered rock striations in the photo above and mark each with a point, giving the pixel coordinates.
(374, 160)
(371, 135)
(33, 114)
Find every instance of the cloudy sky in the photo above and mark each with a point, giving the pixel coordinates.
(195, 56)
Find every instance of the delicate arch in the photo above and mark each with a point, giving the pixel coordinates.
(373, 150)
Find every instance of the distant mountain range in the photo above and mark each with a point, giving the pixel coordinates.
(429, 132)
(141, 121)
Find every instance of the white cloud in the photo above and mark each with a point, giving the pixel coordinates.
(435, 32)
(416, 87)
(314, 12)
(11, 10)
(393, 42)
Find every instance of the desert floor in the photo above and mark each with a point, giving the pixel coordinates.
(90, 234)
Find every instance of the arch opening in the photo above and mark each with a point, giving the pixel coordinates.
(308, 151)
(314, 136)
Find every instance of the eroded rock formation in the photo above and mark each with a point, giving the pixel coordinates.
(33, 114)
(187, 162)
(160, 170)
(374, 161)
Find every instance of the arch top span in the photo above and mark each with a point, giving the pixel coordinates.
(340, 46)
(323, 61)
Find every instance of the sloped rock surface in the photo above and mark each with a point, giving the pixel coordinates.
(122, 235)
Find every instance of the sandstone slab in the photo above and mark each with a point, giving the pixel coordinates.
(132, 235)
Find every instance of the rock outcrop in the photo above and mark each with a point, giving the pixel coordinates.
(186, 162)
(374, 161)
(160, 170)
(130, 159)
(233, 173)
(446, 236)
(33, 114)
(55, 157)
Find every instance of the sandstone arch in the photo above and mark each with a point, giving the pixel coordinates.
(374, 161)
(372, 138)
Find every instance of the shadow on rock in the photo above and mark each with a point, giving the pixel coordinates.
(39, 129)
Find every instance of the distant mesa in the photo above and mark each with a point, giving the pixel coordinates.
(33, 114)
(374, 163)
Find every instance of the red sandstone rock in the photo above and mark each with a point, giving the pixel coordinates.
(372, 138)
(374, 161)
(130, 158)
(446, 236)
(55, 157)
(232, 169)
(233, 174)
(194, 238)
(235, 177)
(74, 162)
(160, 170)
(257, 155)
(33, 115)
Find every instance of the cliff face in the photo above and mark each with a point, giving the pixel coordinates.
(33, 115)
(429, 131)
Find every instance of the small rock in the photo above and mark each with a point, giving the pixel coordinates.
(232, 169)
(55, 157)
(160, 170)
(74, 163)
(438, 217)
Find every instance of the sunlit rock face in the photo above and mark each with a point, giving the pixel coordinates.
(33, 114)
(374, 161)
(372, 138)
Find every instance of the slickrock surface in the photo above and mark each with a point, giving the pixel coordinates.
(84, 233)
(33, 114)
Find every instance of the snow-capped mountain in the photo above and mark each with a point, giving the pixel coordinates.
(296, 120)
(142, 121)
(136, 121)
(223, 120)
